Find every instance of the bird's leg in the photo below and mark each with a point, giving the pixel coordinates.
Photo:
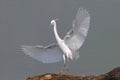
(65, 69)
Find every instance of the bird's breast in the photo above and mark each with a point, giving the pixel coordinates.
(66, 50)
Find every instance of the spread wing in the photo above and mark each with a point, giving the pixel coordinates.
(48, 54)
(76, 36)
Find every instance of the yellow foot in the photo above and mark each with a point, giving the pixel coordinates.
(65, 69)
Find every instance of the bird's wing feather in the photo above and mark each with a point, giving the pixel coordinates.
(76, 36)
(48, 54)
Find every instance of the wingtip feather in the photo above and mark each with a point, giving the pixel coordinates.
(24, 49)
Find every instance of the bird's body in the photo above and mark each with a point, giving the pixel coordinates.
(65, 49)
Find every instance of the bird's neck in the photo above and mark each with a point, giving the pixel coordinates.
(56, 33)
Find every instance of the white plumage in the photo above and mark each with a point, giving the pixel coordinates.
(65, 49)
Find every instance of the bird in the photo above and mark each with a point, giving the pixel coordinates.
(65, 49)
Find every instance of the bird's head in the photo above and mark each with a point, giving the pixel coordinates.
(53, 22)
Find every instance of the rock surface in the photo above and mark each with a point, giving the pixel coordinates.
(112, 75)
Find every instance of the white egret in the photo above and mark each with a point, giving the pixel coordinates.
(65, 49)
